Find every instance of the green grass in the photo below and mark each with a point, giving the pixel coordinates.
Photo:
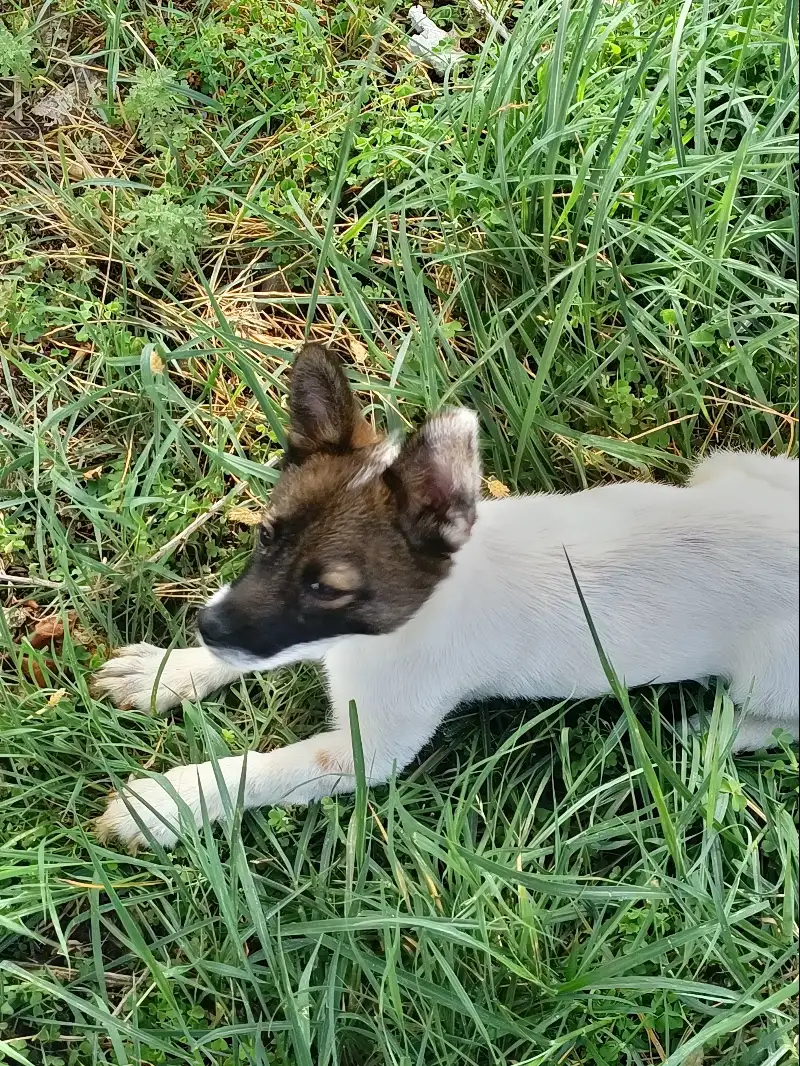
(589, 236)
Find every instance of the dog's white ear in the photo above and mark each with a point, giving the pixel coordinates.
(436, 480)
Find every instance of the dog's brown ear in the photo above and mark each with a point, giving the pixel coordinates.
(324, 414)
(436, 481)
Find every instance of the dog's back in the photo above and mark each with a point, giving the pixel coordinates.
(777, 471)
(681, 583)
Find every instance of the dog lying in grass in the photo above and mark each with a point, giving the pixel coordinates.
(378, 559)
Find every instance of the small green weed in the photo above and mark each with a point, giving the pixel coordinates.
(16, 55)
(154, 107)
(159, 230)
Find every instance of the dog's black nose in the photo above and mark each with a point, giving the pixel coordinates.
(214, 627)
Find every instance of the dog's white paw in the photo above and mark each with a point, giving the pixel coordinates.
(158, 814)
(128, 678)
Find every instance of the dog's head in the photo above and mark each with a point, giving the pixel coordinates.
(360, 528)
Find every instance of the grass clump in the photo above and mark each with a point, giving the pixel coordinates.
(589, 235)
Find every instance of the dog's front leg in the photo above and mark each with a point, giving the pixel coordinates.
(129, 678)
(299, 773)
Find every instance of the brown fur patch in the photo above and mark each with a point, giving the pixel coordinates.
(363, 435)
(344, 577)
(329, 763)
(100, 825)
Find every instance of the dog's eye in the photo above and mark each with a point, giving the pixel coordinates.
(332, 584)
(326, 592)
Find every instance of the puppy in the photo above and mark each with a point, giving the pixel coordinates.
(378, 559)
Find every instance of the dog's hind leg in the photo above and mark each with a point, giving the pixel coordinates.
(129, 678)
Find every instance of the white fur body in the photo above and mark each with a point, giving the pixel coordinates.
(681, 583)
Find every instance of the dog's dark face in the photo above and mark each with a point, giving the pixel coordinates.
(360, 528)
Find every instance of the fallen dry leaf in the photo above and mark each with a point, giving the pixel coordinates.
(243, 516)
(46, 630)
(56, 697)
(58, 105)
(63, 103)
(80, 636)
(15, 617)
(358, 351)
(93, 474)
(33, 670)
(49, 629)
